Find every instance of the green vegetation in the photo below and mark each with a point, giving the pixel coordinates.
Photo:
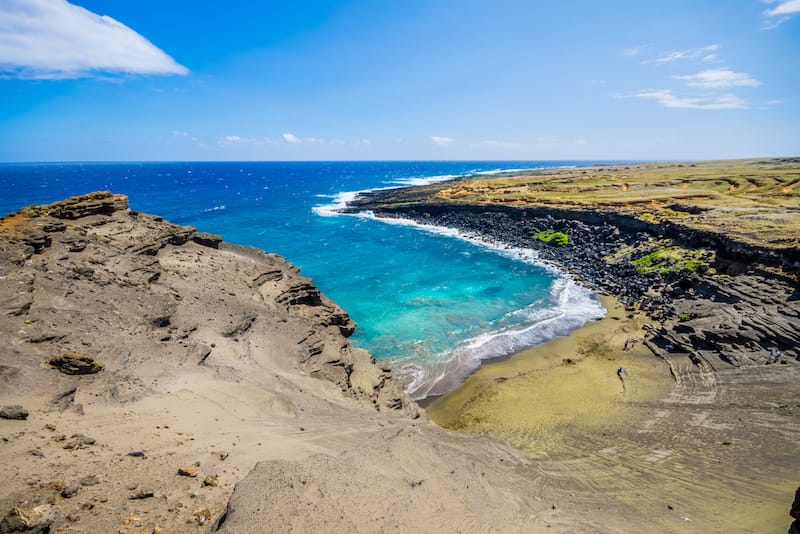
(684, 317)
(647, 217)
(672, 260)
(552, 237)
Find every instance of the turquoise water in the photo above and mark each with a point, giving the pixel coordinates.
(433, 303)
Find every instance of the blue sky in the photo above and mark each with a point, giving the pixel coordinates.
(398, 79)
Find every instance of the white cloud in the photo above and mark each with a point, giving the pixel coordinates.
(786, 7)
(232, 138)
(498, 144)
(780, 13)
(669, 100)
(291, 138)
(718, 78)
(441, 141)
(691, 53)
(53, 39)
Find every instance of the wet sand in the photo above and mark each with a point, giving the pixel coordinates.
(683, 452)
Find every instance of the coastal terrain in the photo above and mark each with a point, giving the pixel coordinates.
(157, 379)
(703, 260)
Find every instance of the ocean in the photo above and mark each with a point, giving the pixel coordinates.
(431, 302)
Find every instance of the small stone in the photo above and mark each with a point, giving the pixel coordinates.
(73, 518)
(87, 506)
(187, 472)
(51, 427)
(201, 516)
(70, 491)
(137, 454)
(79, 441)
(71, 363)
(36, 452)
(211, 480)
(142, 494)
(13, 412)
(90, 480)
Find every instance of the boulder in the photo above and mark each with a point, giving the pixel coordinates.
(13, 412)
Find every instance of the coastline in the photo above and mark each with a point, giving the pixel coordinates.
(713, 394)
(569, 381)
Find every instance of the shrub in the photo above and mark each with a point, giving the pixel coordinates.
(672, 260)
(552, 237)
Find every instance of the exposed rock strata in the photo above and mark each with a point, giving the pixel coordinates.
(120, 278)
(154, 326)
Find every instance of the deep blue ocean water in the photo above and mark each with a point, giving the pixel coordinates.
(431, 302)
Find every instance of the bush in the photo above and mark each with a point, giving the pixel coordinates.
(552, 237)
(672, 260)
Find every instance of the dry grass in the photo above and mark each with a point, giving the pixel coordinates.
(756, 201)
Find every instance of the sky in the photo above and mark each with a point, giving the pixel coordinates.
(147, 80)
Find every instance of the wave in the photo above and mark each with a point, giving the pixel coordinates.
(215, 208)
(575, 306)
(436, 374)
(340, 200)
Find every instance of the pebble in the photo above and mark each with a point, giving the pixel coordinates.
(70, 491)
(90, 480)
(142, 494)
(187, 472)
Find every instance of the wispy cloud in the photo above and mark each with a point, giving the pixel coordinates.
(704, 53)
(781, 13)
(441, 141)
(666, 98)
(786, 7)
(53, 39)
(718, 79)
(291, 138)
(497, 144)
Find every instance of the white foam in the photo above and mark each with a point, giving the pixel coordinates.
(339, 203)
(575, 305)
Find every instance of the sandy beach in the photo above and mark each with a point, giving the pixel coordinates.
(688, 455)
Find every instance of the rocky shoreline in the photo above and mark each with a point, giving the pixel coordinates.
(730, 308)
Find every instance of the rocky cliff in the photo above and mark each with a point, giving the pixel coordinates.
(89, 276)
